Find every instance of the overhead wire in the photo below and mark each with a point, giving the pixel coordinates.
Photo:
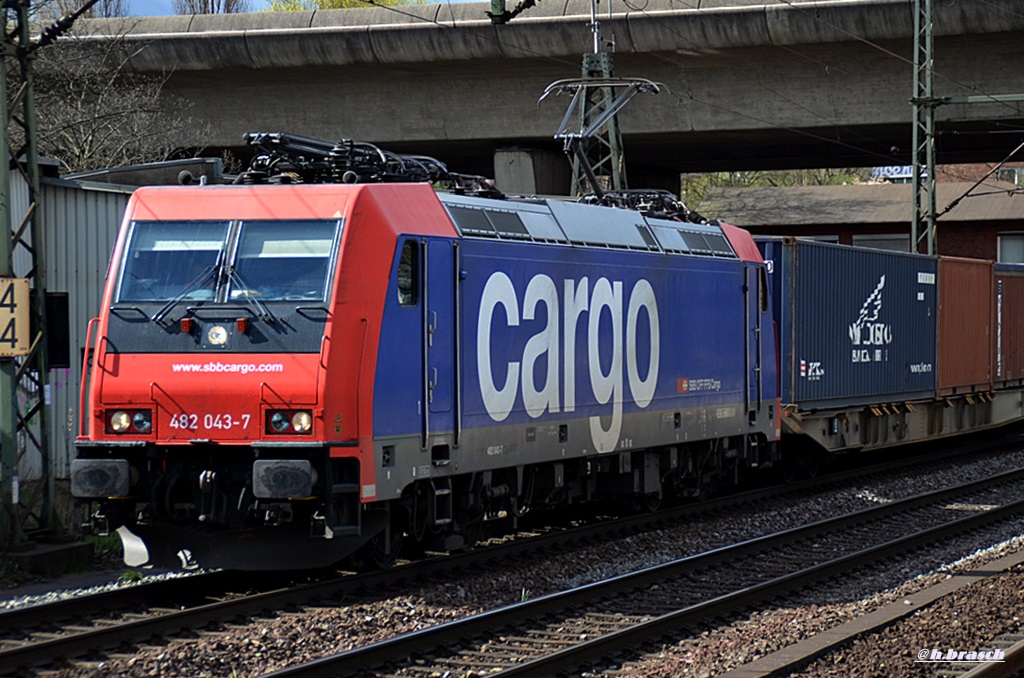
(951, 206)
(678, 97)
(852, 35)
(943, 76)
(833, 123)
(794, 130)
(1000, 9)
(887, 158)
(689, 95)
(889, 52)
(866, 41)
(455, 26)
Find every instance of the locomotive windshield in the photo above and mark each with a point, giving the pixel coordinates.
(223, 261)
(283, 264)
(164, 257)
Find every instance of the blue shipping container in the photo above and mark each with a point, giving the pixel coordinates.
(856, 325)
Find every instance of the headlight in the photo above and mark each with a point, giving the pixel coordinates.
(129, 421)
(120, 421)
(217, 335)
(285, 422)
(279, 422)
(301, 421)
(143, 421)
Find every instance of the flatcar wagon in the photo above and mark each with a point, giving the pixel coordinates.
(881, 348)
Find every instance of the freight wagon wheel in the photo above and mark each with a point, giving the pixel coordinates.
(801, 462)
(650, 502)
(813, 467)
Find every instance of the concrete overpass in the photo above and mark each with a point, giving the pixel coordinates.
(753, 83)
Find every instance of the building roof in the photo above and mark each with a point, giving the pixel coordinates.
(857, 204)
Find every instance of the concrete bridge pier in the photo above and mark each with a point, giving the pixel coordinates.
(531, 171)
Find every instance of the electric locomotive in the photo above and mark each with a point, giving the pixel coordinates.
(289, 374)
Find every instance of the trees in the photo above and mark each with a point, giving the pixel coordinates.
(211, 6)
(292, 5)
(93, 112)
(104, 9)
(696, 186)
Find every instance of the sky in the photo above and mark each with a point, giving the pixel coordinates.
(164, 7)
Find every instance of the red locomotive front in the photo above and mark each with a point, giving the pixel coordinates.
(209, 412)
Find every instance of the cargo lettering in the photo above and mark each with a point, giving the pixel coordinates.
(564, 321)
(867, 331)
(812, 370)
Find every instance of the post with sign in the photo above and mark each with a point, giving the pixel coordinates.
(14, 317)
(14, 342)
(10, 525)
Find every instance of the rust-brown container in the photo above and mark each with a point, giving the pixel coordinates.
(1009, 326)
(966, 311)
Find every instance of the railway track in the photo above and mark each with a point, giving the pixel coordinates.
(565, 631)
(87, 625)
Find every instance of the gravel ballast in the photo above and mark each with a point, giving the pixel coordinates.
(264, 644)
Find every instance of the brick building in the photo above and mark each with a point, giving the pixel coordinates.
(986, 224)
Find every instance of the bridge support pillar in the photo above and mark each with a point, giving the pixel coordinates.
(640, 177)
(531, 171)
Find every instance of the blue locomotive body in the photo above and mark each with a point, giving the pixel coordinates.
(602, 351)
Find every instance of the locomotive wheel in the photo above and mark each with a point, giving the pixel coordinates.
(471, 526)
(518, 510)
(375, 553)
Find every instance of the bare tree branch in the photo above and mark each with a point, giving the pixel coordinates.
(92, 112)
(211, 6)
(104, 9)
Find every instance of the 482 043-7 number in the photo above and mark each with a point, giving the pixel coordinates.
(191, 421)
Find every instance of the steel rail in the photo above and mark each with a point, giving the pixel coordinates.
(384, 653)
(643, 632)
(215, 584)
(19, 619)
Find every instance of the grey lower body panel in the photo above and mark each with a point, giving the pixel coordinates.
(403, 460)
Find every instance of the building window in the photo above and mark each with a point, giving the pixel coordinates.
(1011, 248)
(883, 241)
(1011, 174)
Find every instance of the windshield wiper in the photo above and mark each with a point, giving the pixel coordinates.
(259, 309)
(199, 280)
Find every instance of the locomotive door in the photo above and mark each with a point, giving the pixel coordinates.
(440, 313)
(755, 292)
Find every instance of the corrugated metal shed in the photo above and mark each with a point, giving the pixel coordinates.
(857, 204)
(80, 223)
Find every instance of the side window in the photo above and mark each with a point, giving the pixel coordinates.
(408, 274)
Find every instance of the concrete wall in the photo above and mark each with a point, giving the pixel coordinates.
(748, 84)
